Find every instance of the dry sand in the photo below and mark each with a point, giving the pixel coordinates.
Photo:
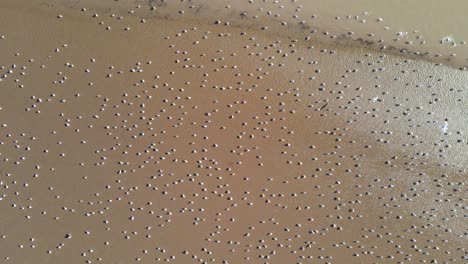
(190, 132)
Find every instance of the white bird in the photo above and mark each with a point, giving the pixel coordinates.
(444, 128)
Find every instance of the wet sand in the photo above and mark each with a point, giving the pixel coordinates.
(128, 137)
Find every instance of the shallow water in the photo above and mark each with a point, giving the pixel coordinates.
(141, 134)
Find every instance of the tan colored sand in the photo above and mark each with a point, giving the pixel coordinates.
(177, 140)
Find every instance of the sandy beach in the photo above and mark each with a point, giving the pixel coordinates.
(231, 132)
